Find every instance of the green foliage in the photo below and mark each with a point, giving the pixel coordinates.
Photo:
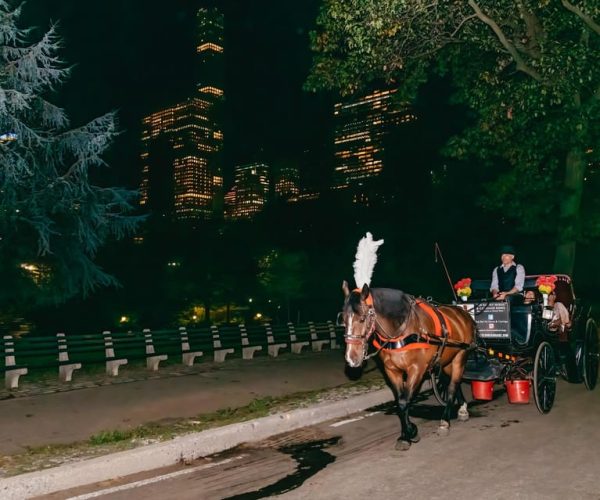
(528, 70)
(53, 220)
(283, 275)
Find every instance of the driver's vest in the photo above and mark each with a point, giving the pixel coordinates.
(506, 279)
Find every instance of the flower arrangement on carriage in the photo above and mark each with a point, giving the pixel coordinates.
(463, 288)
(546, 285)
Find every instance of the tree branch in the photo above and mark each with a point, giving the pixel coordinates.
(458, 28)
(582, 15)
(521, 64)
(535, 32)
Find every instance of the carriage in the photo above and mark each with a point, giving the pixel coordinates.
(520, 346)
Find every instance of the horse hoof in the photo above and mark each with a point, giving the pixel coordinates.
(415, 439)
(402, 445)
(443, 429)
(463, 413)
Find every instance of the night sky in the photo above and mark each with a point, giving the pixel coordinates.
(137, 56)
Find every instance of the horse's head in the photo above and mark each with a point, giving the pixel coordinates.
(359, 323)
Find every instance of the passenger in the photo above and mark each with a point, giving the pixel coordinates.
(508, 279)
(560, 317)
(529, 297)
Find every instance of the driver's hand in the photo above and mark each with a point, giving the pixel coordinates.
(501, 296)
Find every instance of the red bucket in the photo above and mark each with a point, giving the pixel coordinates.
(517, 391)
(483, 390)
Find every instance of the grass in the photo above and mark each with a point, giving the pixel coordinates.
(111, 441)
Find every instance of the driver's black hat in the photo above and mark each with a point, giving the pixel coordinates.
(509, 249)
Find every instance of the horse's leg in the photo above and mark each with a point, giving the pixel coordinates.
(457, 369)
(396, 379)
(410, 432)
(463, 412)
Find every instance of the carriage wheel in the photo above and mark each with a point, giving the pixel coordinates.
(590, 355)
(439, 384)
(544, 377)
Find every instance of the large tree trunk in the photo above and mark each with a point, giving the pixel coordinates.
(570, 206)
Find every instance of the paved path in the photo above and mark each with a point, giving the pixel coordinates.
(503, 452)
(75, 415)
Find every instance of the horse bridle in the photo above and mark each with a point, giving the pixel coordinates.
(370, 324)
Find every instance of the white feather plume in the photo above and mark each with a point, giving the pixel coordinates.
(366, 258)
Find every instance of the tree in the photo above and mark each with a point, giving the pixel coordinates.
(53, 219)
(528, 69)
(282, 274)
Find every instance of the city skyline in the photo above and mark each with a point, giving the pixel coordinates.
(139, 57)
(181, 145)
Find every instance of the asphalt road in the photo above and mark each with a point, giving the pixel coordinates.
(503, 452)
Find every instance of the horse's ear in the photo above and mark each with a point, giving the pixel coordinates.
(345, 288)
(364, 293)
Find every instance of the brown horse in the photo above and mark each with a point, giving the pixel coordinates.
(412, 337)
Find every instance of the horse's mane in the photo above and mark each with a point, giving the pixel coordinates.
(388, 302)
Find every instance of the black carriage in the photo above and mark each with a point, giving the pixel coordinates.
(520, 343)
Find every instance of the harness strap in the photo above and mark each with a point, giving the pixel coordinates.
(441, 325)
(412, 341)
(441, 328)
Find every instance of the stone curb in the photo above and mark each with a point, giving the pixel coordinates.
(188, 447)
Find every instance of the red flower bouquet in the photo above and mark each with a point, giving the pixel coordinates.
(546, 284)
(463, 288)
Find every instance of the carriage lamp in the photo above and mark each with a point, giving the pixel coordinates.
(491, 352)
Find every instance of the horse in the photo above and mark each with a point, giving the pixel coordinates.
(412, 337)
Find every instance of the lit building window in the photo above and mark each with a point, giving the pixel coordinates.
(361, 126)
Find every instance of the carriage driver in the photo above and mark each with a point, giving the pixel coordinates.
(508, 278)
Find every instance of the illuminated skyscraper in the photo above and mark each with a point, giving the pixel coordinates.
(229, 203)
(251, 190)
(360, 128)
(181, 145)
(210, 50)
(190, 141)
(287, 183)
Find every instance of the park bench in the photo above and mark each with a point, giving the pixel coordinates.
(316, 337)
(277, 338)
(187, 354)
(220, 352)
(65, 366)
(253, 339)
(12, 371)
(299, 337)
(112, 362)
(152, 359)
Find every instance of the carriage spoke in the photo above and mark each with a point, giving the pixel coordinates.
(544, 377)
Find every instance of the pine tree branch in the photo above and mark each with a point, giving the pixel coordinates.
(521, 64)
(582, 15)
